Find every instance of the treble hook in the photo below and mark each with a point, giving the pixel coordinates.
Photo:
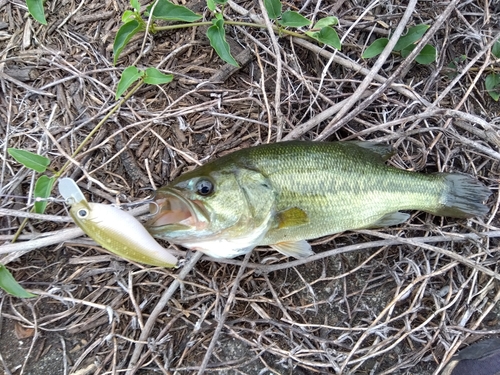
(149, 201)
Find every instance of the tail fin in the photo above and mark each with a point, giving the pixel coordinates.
(463, 197)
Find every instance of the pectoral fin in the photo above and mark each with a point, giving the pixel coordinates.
(392, 218)
(292, 217)
(298, 249)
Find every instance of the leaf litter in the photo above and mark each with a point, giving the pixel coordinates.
(400, 300)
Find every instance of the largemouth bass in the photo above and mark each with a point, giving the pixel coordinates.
(113, 229)
(283, 194)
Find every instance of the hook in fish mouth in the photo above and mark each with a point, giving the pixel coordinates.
(171, 211)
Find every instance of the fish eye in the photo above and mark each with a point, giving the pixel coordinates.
(82, 213)
(204, 187)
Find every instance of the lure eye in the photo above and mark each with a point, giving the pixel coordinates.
(82, 214)
(204, 187)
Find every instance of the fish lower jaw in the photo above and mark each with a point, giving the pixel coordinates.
(227, 247)
(224, 253)
(233, 245)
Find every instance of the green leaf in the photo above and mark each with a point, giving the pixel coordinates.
(375, 48)
(327, 35)
(35, 7)
(217, 36)
(211, 5)
(492, 83)
(495, 50)
(128, 15)
(274, 8)
(29, 159)
(11, 286)
(407, 50)
(453, 66)
(165, 10)
(293, 19)
(414, 34)
(427, 56)
(43, 188)
(135, 5)
(154, 77)
(126, 32)
(129, 76)
(327, 21)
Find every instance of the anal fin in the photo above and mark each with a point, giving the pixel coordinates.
(297, 249)
(389, 219)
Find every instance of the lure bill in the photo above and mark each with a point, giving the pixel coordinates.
(115, 230)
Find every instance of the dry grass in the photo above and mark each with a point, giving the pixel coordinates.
(401, 300)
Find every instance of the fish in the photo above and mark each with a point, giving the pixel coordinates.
(115, 230)
(283, 194)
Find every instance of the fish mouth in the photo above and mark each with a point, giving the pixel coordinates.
(173, 212)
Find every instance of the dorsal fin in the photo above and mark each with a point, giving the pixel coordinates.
(382, 150)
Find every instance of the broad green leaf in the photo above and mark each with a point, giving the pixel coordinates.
(126, 32)
(327, 21)
(165, 10)
(495, 50)
(217, 36)
(211, 5)
(427, 56)
(154, 77)
(407, 50)
(11, 286)
(128, 15)
(326, 35)
(414, 34)
(29, 159)
(274, 8)
(43, 188)
(293, 19)
(129, 76)
(492, 84)
(375, 48)
(136, 5)
(35, 7)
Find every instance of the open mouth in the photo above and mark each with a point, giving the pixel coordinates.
(174, 212)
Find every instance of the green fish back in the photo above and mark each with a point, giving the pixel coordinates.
(341, 186)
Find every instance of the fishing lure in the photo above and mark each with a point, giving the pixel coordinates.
(113, 229)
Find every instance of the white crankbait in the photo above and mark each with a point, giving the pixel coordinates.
(113, 229)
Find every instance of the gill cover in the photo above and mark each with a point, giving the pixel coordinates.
(222, 212)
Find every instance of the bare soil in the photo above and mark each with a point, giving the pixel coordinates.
(389, 301)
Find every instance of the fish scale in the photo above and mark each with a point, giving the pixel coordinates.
(345, 193)
(285, 193)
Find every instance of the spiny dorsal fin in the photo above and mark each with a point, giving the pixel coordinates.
(382, 150)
